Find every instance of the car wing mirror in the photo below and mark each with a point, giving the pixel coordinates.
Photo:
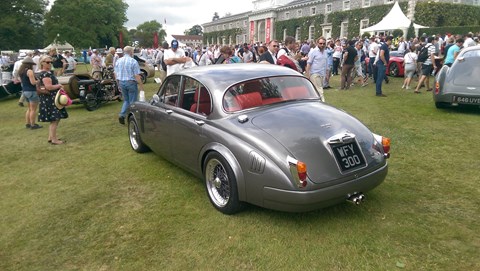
(155, 99)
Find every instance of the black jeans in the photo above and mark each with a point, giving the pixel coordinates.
(336, 64)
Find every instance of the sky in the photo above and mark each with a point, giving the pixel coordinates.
(181, 14)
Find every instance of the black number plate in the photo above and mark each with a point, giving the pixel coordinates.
(466, 100)
(348, 156)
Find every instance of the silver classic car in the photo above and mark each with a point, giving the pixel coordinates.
(459, 84)
(259, 134)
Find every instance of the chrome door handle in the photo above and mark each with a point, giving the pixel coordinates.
(169, 111)
(199, 122)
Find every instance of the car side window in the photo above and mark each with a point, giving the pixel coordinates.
(170, 90)
(196, 97)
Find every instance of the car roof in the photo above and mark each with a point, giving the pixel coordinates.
(222, 76)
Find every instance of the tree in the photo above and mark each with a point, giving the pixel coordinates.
(195, 30)
(145, 32)
(410, 31)
(21, 26)
(86, 23)
(215, 16)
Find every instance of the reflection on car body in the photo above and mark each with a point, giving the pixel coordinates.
(260, 134)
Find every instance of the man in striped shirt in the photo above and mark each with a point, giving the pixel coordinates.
(127, 72)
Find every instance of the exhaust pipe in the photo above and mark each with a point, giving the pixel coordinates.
(356, 198)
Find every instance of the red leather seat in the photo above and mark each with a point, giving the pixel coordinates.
(293, 93)
(202, 103)
(249, 100)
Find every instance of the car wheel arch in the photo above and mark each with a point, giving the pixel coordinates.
(233, 162)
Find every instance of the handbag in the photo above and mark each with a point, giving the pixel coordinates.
(41, 90)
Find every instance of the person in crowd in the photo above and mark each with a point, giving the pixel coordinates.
(381, 63)
(59, 62)
(110, 56)
(270, 55)
(96, 62)
(317, 63)
(229, 55)
(16, 76)
(402, 45)
(28, 81)
(449, 43)
(372, 54)
(247, 56)
(329, 48)
(410, 66)
(359, 63)
(349, 58)
(127, 72)
(48, 112)
(469, 41)
(337, 56)
(453, 52)
(118, 55)
(36, 59)
(71, 63)
(174, 58)
(427, 67)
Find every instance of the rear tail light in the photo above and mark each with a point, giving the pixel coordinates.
(385, 144)
(298, 170)
(437, 87)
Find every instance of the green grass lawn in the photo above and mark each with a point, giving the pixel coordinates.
(94, 204)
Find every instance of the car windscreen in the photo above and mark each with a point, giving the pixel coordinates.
(266, 91)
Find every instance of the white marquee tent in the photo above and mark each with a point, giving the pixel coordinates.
(59, 46)
(395, 19)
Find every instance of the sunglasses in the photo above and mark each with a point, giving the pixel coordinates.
(275, 45)
(321, 43)
(48, 62)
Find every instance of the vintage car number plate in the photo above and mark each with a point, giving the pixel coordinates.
(348, 156)
(466, 100)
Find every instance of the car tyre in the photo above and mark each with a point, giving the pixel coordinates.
(393, 69)
(221, 184)
(134, 136)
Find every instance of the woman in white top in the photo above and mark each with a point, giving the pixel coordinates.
(410, 66)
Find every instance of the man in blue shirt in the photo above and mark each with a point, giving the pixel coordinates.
(453, 51)
(382, 62)
(127, 72)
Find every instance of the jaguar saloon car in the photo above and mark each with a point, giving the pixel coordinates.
(259, 134)
(459, 84)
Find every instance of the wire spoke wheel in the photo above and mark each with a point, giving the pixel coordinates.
(221, 184)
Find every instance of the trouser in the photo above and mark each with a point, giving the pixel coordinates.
(336, 64)
(317, 81)
(346, 79)
(380, 76)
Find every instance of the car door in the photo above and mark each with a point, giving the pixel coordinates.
(190, 120)
(160, 119)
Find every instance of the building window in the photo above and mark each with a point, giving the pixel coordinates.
(476, 2)
(299, 13)
(311, 32)
(313, 11)
(346, 5)
(328, 8)
(363, 23)
(297, 33)
(389, 1)
(287, 15)
(284, 34)
(457, 1)
(366, 3)
(238, 24)
(230, 26)
(245, 23)
(224, 26)
(218, 27)
(344, 29)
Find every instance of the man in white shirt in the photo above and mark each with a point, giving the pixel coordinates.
(174, 58)
(372, 54)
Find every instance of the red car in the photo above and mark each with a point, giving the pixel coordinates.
(395, 64)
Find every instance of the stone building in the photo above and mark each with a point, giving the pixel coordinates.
(258, 25)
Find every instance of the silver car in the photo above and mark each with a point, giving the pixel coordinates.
(259, 134)
(459, 84)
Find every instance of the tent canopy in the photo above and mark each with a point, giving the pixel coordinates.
(59, 46)
(395, 19)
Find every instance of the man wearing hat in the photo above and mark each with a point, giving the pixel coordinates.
(127, 72)
(118, 54)
(174, 58)
(159, 60)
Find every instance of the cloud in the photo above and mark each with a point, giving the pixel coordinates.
(181, 14)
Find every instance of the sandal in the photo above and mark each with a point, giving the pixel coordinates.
(417, 92)
(57, 143)
(430, 89)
